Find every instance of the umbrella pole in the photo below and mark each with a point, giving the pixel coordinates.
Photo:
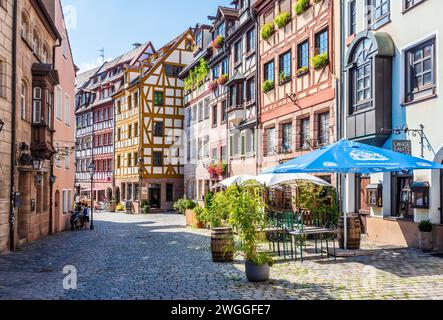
(345, 216)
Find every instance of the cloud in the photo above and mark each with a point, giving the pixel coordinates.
(86, 66)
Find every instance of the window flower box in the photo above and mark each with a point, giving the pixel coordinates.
(320, 61)
(301, 6)
(213, 85)
(222, 80)
(268, 85)
(267, 30)
(302, 71)
(282, 19)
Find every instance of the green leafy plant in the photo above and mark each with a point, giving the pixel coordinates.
(267, 30)
(284, 77)
(217, 212)
(320, 61)
(209, 199)
(302, 70)
(268, 85)
(197, 76)
(247, 216)
(301, 6)
(218, 42)
(282, 19)
(182, 205)
(120, 207)
(425, 226)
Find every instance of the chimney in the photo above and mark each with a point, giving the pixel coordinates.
(136, 45)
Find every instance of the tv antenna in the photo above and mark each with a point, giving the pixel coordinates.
(102, 54)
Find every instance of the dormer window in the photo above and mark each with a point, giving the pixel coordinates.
(221, 29)
(199, 39)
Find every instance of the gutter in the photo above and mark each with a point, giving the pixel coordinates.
(257, 92)
(51, 182)
(13, 127)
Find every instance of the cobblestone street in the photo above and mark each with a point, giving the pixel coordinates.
(155, 257)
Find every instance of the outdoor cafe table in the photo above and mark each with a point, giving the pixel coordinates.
(307, 231)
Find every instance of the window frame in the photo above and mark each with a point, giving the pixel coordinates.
(300, 51)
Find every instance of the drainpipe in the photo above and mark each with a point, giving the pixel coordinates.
(257, 94)
(13, 127)
(51, 174)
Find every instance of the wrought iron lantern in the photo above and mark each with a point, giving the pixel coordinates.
(37, 164)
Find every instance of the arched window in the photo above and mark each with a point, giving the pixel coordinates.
(23, 99)
(361, 76)
(36, 42)
(25, 27)
(46, 55)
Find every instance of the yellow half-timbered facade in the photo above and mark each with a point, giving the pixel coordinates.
(149, 148)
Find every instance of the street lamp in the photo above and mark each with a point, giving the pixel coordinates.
(37, 164)
(92, 172)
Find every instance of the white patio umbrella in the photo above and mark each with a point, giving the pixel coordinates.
(235, 180)
(270, 180)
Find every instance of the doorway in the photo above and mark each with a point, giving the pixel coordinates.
(155, 196)
(57, 211)
(401, 181)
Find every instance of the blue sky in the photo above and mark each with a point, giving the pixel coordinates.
(116, 24)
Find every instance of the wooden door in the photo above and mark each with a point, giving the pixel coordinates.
(363, 201)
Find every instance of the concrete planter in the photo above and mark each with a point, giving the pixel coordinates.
(425, 241)
(257, 273)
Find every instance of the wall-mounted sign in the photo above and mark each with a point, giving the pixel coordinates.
(402, 146)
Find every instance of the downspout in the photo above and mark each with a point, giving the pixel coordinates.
(257, 93)
(51, 181)
(13, 127)
(340, 101)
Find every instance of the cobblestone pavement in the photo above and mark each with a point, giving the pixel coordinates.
(155, 257)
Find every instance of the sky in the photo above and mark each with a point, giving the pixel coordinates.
(116, 24)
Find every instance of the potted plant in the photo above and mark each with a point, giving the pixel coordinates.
(301, 6)
(284, 77)
(120, 207)
(200, 217)
(222, 80)
(268, 85)
(216, 215)
(425, 236)
(213, 85)
(216, 170)
(282, 19)
(267, 30)
(218, 42)
(146, 208)
(247, 215)
(320, 61)
(302, 71)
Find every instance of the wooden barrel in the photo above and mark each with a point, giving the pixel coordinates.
(222, 245)
(354, 232)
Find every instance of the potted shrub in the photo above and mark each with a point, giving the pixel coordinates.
(200, 217)
(267, 30)
(247, 215)
(146, 208)
(425, 236)
(301, 6)
(282, 19)
(222, 80)
(320, 61)
(213, 85)
(216, 215)
(268, 85)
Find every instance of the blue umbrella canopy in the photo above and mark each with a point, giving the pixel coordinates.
(351, 157)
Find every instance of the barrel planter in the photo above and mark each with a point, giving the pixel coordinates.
(354, 232)
(222, 245)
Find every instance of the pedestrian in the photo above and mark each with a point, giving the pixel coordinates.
(86, 219)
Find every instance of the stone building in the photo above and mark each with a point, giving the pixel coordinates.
(30, 125)
(390, 80)
(6, 84)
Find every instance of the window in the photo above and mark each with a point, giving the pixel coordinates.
(129, 102)
(361, 77)
(59, 103)
(420, 71)
(119, 107)
(214, 115)
(269, 71)
(323, 128)
(25, 27)
(37, 106)
(199, 40)
(221, 29)
(119, 161)
(237, 52)
(169, 192)
(352, 17)
(200, 112)
(216, 73)
(305, 128)
(410, 3)
(224, 110)
(68, 162)
(130, 131)
(119, 134)
(136, 129)
(36, 42)
(303, 55)
(270, 134)
(158, 129)
(380, 13)
(135, 159)
(236, 94)
(67, 110)
(158, 159)
(225, 66)
(172, 70)
(23, 100)
(129, 195)
(158, 98)
(287, 137)
(285, 66)
(64, 202)
(322, 42)
(206, 110)
(250, 41)
(250, 90)
(136, 192)
(3, 79)
(136, 99)
(129, 159)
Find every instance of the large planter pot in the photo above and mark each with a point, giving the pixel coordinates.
(222, 245)
(257, 273)
(354, 232)
(425, 241)
(191, 219)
